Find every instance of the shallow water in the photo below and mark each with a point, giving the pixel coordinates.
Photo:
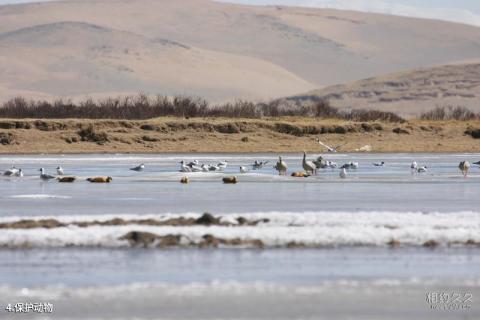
(358, 273)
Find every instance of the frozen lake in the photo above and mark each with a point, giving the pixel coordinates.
(350, 221)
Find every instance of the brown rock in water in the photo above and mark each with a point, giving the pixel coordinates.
(136, 238)
(241, 221)
(169, 240)
(32, 224)
(209, 241)
(431, 244)
(394, 243)
(207, 219)
(295, 245)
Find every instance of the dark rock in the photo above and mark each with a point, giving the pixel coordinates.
(169, 240)
(207, 219)
(394, 243)
(148, 127)
(474, 133)
(227, 128)
(400, 131)
(136, 238)
(431, 244)
(6, 138)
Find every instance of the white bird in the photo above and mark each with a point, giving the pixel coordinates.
(222, 165)
(343, 173)
(139, 168)
(329, 148)
(243, 169)
(379, 164)
(184, 167)
(332, 164)
(414, 165)
(19, 173)
(45, 176)
(308, 166)
(281, 167)
(11, 172)
(196, 168)
(422, 169)
(60, 171)
(205, 168)
(464, 166)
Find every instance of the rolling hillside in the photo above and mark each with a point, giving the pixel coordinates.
(215, 50)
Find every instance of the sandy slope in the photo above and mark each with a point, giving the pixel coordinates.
(216, 50)
(408, 93)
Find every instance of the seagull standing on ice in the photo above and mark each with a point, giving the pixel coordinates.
(45, 176)
(138, 168)
(243, 169)
(19, 173)
(222, 165)
(60, 171)
(422, 169)
(184, 167)
(464, 166)
(414, 165)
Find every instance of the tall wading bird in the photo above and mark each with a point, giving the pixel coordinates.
(464, 166)
(308, 165)
(281, 167)
(329, 148)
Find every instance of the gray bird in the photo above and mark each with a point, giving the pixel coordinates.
(281, 167)
(308, 166)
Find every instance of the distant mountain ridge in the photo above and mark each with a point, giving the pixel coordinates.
(407, 93)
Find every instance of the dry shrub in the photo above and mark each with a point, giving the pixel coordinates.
(90, 135)
(450, 113)
(144, 107)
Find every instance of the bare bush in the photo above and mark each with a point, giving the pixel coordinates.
(144, 107)
(450, 113)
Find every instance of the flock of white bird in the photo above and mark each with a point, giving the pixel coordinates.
(310, 167)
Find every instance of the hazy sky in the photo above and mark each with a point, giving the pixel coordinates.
(465, 11)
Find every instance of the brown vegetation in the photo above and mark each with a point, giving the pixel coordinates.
(142, 107)
(450, 113)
